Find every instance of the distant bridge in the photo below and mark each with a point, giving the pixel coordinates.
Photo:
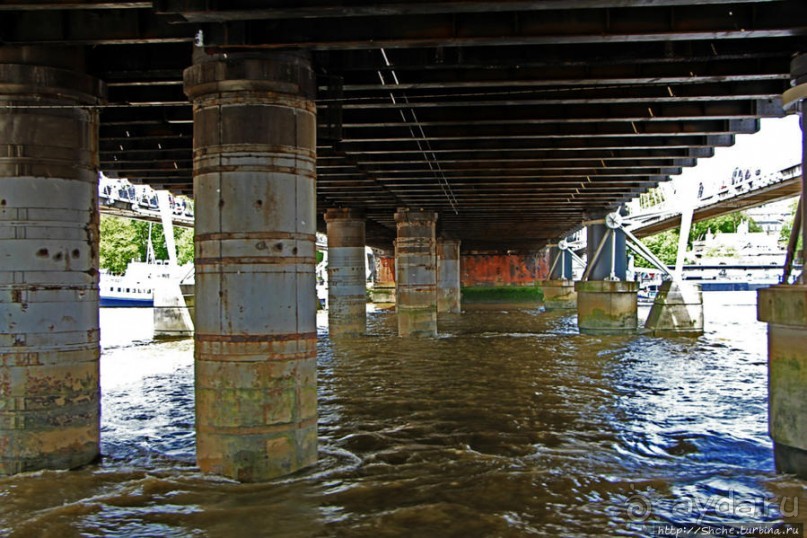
(131, 210)
(742, 195)
(119, 198)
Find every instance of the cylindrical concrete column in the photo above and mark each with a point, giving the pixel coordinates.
(606, 303)
(607, 306)
(49, 337)
(559, 293)
(602, 269)
(784, 308)
(254, 179)
(416, 269)
(383, 291)
(347, 289)
(448, 276)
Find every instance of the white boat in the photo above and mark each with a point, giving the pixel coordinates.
(135, 288)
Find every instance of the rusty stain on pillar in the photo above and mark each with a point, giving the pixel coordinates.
(784, 308)
(49, 336)
(416, 270)
(383, 290)
(448, 276)
(254, 181)
(347, 288)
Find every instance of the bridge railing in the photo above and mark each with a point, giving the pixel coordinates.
(139, 199)
(741, 183)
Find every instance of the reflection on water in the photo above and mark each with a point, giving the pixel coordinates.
(508, 424)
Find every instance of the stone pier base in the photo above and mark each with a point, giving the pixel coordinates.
(607, 307)
(677, 311)
(383, 291)
(784, 308)
(382, 294)
(416, 265)
(172, 316)
(559, 294)
(449, 297)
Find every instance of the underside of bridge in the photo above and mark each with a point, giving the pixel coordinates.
(513, 120)
(499, 126)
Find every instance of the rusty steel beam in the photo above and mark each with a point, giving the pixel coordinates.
(537, 113)
(702, 141)
(199, 11)
(90, 27)
(587, 130)
(636, 25)
(618, 56)
(41, 5)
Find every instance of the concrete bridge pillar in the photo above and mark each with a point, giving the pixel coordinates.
(784, 308)
(254, 178)
(448, 276)
(49, 337)
(607, 303)
(172, 315)
(383, 291)
(416, 266)
(347, 289)
(559, 293)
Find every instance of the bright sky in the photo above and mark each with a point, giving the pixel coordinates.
(777, 145)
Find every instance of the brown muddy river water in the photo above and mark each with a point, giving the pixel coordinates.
(509, 424)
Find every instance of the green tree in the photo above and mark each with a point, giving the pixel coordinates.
(184, 239)
(124, 240)
(723, 224)
(784, 234)
(118, 247)
(664, 245)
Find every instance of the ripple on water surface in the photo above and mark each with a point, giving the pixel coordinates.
(509, 424)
